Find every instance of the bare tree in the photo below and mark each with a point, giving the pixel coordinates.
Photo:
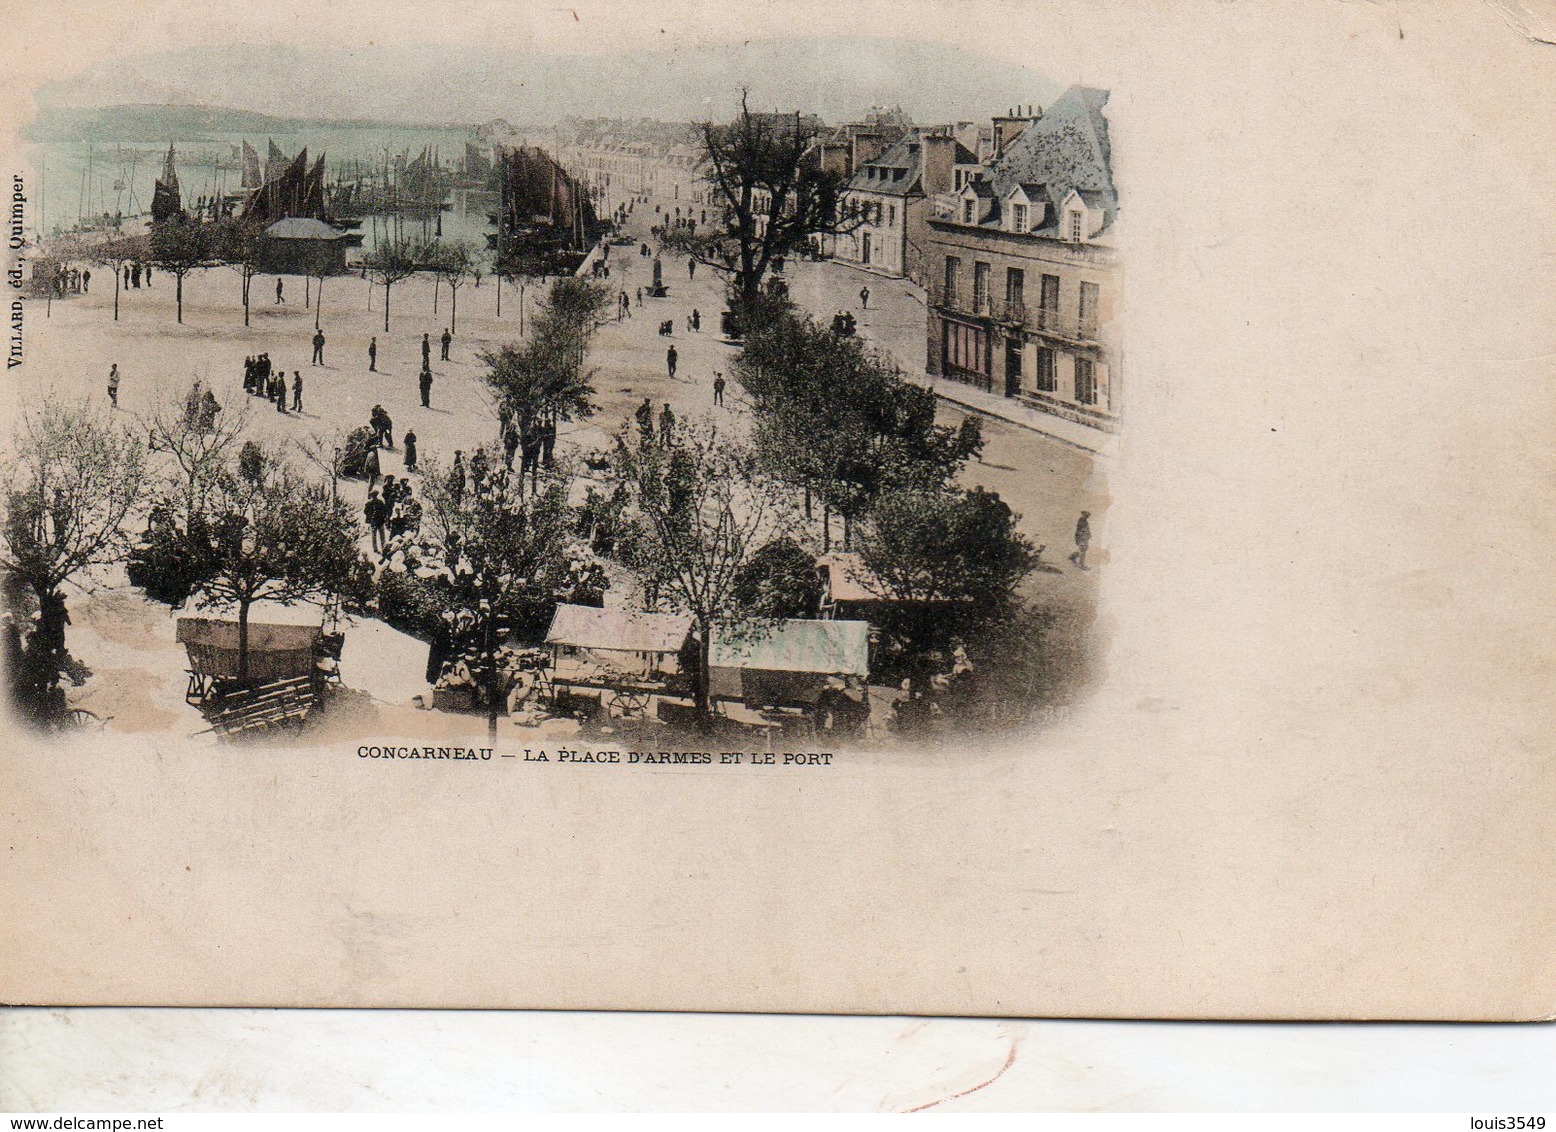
(237, 244)
(771, 195)
(116, 253)
(73, 480)
(389, 263)
(178, 246)
(454, 264)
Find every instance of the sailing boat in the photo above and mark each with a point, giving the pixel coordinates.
(164, 198)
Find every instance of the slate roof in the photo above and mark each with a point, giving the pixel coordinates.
(908, 155)
(1067, 148)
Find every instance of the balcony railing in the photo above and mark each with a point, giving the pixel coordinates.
(1014, 312)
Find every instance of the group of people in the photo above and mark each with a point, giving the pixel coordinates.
(72, 280)
(260, 379)
(645, 419)
(844, 324)
(134, 272)
(200, 407)
(391, 511)
(534, 442)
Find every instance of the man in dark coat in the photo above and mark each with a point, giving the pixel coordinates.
(318, 347)
(426, 350)
(426, 387)
(376, 515)
(372, 356)
(645, 416)
(670, 360)
(445, 340)
(297, 391)
(1082, 539)
(410, 451)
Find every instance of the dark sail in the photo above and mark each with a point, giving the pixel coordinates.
(165, 202)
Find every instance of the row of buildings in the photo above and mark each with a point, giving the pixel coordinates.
(1006, 225)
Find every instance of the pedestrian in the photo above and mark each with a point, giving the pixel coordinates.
(640, 296)
(510, 444)
(670, 359)
(456, 477)
(297, 391)
(1082, 539)
(135, 276)
(666, 423)
(278, 391)
(375, 514)
(148, 275)
(86, 281)
(426, 350)
(126, 276)
(691, 269)
(248, 374)
(696, 319)
(208, 410)
(318, 347)
(446, 339)
(410, 451)
(547, 442)
(280, 294)
(372, 356)
(718, 389)
(864, 298)
(370, 464)
(113, 384)
(426, 387)
(645, 416)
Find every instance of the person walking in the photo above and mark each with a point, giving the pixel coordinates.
(691, 269)
(372, 356)
(1082, 539)
(148, 275)
(376, 515)
(670, 360)
(645, 416)
(371, 467)
(864, 298)
(126, 276)
(666, 423)
(113, 384)
(718, 389)
(278, 391)
(547, 442)
(696, 320)
(135, 275)
(446, 339)
(280, 293)
(410, 451)
(318, 347)
(297, 391)
(86, 281)
(640, 296)
(426, 350)
(426, 387)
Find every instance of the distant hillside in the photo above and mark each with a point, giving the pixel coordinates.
(141, 122)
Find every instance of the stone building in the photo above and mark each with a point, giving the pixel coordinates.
(1024, 279)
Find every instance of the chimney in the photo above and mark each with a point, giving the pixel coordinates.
(938, 172)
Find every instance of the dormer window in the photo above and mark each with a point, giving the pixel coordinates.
(1075, 226)
(1018, 218)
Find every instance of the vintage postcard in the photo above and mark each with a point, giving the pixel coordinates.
(899, 507)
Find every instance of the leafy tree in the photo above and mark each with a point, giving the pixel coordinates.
(771, 196)
(952, 560)
(543, 378)
(115, 253)
(237, 244)
(499, 559)
(265, 534)
(73, 480)
(700, 508)
(390, 262)
(180, 244)
(779, 581)
(840, 422)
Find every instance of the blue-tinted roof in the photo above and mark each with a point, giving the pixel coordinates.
(1067, 148)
